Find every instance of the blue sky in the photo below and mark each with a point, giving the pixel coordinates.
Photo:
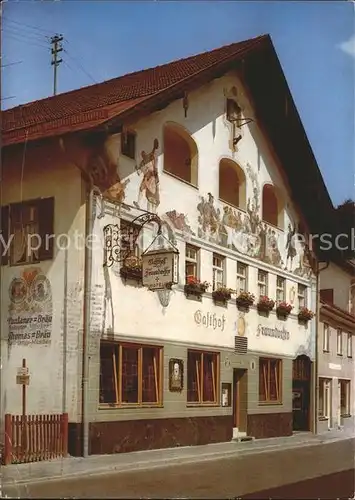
(314, 41)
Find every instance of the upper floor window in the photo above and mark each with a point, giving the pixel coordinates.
(131, 239)
(262, 283)
(339, 342)
(242, 277)
(326, 337)
(232, 183)
(128, 144)
(218, 271)
(191, 262)
(350, 346)
(180, 153)
(28, 228)
(302, 296)
(272, 206)
(280, 289)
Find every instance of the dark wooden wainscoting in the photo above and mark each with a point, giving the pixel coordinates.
(136, 435)
(266, 425)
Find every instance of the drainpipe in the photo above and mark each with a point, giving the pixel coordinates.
(316, 364)
(87, 311)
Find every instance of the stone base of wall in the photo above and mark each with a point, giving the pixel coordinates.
(137, 435)
(267, 425)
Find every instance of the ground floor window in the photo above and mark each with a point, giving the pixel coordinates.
(325, 397)
(130, 374)
(344, 397)
(202, 377)
(270, 380)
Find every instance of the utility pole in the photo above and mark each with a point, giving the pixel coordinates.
(55, 41)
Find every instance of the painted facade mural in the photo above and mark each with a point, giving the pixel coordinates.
(149, 185)
(248, 234)
(30, 309)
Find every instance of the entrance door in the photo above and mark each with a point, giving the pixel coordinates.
(240, 399)
(301, 392)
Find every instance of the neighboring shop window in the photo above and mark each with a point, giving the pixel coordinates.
(350, 346)
(218, 271)
(191, 262)
(324, 397)
(326, 337)
(130, 374)
(280, 289)
(302, 296)
(242, 277)
(344, 397)
(270, 376)
(262, 283)
(339, 342)
(202, 377)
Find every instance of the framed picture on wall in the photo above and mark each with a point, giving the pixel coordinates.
(226, 394)
(176, 375)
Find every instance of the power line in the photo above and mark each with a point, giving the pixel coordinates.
(80, 66)
(30, 35)
(27, 25)
(19, 38)
(10, 64)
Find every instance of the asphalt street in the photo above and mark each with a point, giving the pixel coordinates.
(278, 472)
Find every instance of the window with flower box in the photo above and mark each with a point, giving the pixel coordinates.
(270, 380)
(130, 374)
(326, 337)
(302, 296)
(339, 342)
(350, 346)
(280, 289)
(218, 271)
(191, 262)
(242, 277)
(202, 377)
(262, 283)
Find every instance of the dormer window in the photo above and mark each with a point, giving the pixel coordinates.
(128, 144)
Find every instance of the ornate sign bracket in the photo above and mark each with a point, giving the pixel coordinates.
(112, 237)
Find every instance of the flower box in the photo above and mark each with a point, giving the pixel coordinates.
(245, 300)
(283, 309)
(265, 304)
(132, 268)
(305, 314)
(222, 294)
(195, 287)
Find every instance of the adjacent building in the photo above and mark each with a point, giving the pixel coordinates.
(336, 370)
(206, 157)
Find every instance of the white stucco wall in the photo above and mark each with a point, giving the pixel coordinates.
(47, 391)
(339, 280)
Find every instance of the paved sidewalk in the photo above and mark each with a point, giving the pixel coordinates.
(142, 460)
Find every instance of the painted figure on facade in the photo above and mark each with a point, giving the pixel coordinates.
(209, 219)
(290, 246)
(150, 181)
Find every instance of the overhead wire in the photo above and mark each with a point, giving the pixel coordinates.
(76, 61)
(22, 39)
(27, 25)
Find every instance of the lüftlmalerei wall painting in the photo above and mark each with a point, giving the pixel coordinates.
(30, 309)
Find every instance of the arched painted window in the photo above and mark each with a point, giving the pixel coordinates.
(180, 153)
(232, 185)
(271, 206)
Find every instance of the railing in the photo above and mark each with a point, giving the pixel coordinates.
(35, 437)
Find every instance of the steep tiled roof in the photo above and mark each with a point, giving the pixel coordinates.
(89, 106)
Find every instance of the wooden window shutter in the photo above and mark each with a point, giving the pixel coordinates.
(5, 213)
(46, 227)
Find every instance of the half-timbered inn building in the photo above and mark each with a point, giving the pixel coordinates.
(186, 318)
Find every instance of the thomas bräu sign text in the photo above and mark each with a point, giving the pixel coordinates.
(272, 332)
(159, 269)
(210, 320)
